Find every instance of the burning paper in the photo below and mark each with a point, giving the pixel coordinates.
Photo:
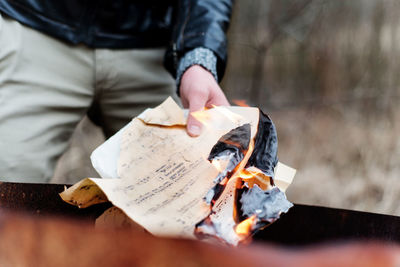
(251, 197)
(175, 185)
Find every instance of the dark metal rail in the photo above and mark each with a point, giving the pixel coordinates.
(302, 225)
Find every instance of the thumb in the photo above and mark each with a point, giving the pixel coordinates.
(193, 126)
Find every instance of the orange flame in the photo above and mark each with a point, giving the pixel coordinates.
(233, 117)
(205, 117)
(253, 175)
(245, 227)
(201, 116)
(240, 102)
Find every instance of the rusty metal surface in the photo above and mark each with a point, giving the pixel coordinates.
(42, 199)
(302, 225)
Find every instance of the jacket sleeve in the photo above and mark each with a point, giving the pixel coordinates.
(200, 23)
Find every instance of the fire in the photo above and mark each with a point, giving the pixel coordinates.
(245, 227)
(202, 116)
(233, 117)
(253, 176)
(240, 102)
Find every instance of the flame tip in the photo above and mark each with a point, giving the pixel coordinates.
(246, 226)
(240, 102)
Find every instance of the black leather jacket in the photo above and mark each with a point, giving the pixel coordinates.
(179, 25)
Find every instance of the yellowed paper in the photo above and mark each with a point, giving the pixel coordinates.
(163, 173)
(283, 176)
(170, 172)
(167, 114)
(84, 193)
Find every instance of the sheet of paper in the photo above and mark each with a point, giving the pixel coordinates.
(163, 174)
(168, 114)
(105, 157)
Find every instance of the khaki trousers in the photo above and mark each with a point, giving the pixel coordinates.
(47, 86)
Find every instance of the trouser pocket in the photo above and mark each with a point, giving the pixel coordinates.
(45, 90)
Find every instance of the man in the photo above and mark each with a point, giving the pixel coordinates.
(60, 60)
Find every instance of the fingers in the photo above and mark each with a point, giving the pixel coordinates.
(197, 102)
(198, 89)
(217, 98)
(214, 97)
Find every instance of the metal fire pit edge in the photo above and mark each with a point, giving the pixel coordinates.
(302, 225)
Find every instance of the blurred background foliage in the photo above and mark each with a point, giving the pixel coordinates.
(327, 72)
(285, 53)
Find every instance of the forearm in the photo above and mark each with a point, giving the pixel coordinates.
(200, 23)
(201, 56)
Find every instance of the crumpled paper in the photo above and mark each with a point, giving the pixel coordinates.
(157, 175)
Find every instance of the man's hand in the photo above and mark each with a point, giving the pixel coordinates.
(198, 89)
